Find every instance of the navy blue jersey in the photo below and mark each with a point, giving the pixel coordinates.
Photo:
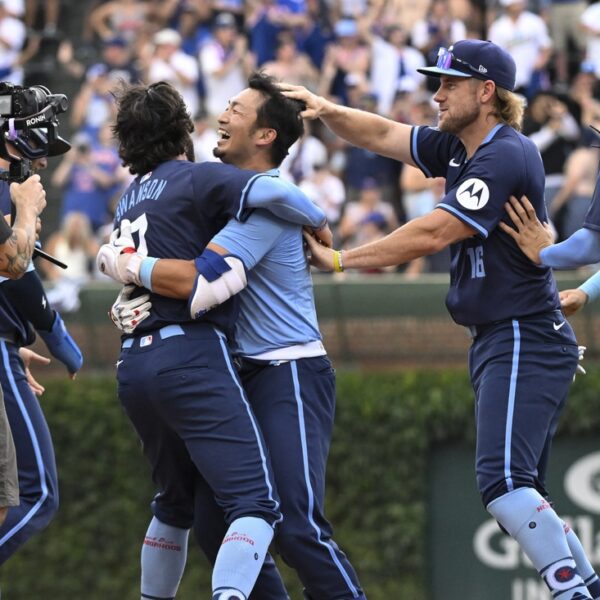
(490, 278)
(12, 324)
(175, 211)
(592, 219)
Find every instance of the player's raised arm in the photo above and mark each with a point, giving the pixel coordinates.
(358, 127)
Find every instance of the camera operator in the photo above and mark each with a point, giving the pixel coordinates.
(16, 247)
(24, 309)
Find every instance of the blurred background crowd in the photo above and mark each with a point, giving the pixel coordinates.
(363, 53)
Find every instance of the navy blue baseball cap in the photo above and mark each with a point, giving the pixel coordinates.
(475, 58)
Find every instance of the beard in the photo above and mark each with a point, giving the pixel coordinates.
(460, 120)
(220, 154)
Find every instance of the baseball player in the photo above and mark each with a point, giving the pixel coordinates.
(176, 377)
(24, 309)
(283, 365)
(524, 354)
(581, 248)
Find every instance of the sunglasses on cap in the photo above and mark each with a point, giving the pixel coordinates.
(447, 60)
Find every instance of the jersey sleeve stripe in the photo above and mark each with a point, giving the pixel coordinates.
(414, 151)
(484, 232)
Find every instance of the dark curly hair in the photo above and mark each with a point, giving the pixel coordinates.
(279, 113)
(153, 125)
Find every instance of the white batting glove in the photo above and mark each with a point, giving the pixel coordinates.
(118, 259)
(580, 370)
(127, 313)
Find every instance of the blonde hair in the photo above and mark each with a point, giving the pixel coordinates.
(509, 108)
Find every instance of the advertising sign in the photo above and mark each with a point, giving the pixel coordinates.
(470, 558)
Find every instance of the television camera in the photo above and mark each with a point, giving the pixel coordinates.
(28, 121)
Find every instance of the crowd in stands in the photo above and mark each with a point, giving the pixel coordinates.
(363, 53)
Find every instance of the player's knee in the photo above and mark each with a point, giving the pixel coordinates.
(292, 543)
(48, 508)
(3, 513)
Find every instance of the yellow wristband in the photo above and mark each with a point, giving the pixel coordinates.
(338, 264)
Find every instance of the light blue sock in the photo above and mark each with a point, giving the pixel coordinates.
(539, 531)
(585, 568)
(163, 560)
(241, 557)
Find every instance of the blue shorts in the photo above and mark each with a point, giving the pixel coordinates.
(521, 371)
(181, 392)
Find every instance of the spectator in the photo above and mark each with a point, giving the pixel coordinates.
(51, 11)
(314, 37)
(75, 245)
(363, 165)
(439, 29)
(167, 62)
(555, 132)
(327, 191)
(12, 38)
(367, 219)
(525, 35)
(225, 64)
(590, 23)
(290, 65)
(266, 19)
(121, 18)
(94, 104)
(303, 155)
(581, 170)
(565, 16)
(347, 55)
(394, 65)
(92, 175)
(204, 138)
(118, 60)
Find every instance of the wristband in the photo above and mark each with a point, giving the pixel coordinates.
(338, 263)
(146, 271)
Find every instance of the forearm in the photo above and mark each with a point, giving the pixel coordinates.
(174, 278)
(582, 248)
(591, 287)
(367, 130)
(406, 243)
(16, 251)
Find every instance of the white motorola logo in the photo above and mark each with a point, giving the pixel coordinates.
(582, 482)
(473, 194)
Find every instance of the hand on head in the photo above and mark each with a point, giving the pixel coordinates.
(315, 105)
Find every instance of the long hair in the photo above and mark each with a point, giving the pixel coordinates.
(509, 108)
(279, 113)
(152, 126)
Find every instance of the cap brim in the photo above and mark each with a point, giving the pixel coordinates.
(437, 72)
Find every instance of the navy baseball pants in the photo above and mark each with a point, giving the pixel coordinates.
(521, 371)
(181, 392)
(294, 403)
(38, 481)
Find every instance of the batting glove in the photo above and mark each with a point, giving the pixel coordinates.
(127, 312)
(118, 259)
(580, 370)
(62, 346)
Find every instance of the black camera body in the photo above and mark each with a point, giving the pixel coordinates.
(16, 101)
(28, 120)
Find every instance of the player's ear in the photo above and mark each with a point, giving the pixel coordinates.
(487, 91)
(266, 136)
